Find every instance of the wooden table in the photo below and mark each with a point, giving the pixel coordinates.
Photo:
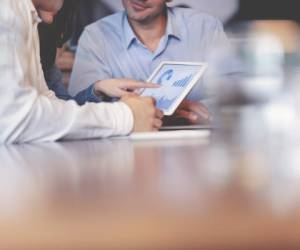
(119, 194)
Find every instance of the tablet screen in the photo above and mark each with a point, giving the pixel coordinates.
(176, 80)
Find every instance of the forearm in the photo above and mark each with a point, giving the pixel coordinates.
(27, 116)
(38, 118)
(54, 81)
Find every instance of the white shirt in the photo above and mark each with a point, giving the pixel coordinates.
(28, 110)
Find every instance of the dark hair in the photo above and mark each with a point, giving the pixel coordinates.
(64, 22)
(53, 36)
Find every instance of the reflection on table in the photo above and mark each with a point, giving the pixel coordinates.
(119, 194)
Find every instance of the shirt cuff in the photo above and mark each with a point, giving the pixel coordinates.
(91, 96)
(102, 97)
(123, 119)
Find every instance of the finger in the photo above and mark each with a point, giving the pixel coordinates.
(192, 117)
(184, 104)
(197, 108)
(154, 129)
(143, 86)
(157, 123)
(153, 101)
(159, 114)
(137, 92)
(202, 114)
(132, 84)
(130, 94)
(150, 100)
(120, 93)
(138, 89)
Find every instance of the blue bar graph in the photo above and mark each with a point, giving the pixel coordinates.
(183, 82)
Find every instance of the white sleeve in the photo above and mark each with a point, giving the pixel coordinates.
(26, 116)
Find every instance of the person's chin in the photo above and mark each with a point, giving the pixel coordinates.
(138, 18)
(138, 15)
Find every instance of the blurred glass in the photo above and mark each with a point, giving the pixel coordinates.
(255, 80)
(245, 77)
(247, 70)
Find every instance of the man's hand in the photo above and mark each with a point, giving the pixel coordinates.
(193, 113)
(146, 116)
(120, 87)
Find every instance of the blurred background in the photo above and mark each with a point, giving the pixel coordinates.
(239, 189)
(258, 69)
(278, 17)
(255, 77)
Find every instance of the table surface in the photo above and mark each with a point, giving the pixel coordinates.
(171, 194)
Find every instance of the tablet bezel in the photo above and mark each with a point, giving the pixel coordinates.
(186, 91)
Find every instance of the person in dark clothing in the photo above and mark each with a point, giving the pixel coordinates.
(53, 36)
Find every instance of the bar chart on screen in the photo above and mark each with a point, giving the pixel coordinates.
(183, 82)
(176, 80)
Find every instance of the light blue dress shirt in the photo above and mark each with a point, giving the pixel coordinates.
(109, 48)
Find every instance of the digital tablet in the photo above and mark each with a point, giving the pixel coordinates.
(176, 80)
(186, 127)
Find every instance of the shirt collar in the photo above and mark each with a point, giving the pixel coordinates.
(172, 29)
(129, 35)
(34, 13)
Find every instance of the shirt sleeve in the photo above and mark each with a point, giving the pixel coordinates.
(89, 66)
(54, 81)
(212, 37)
(27, 116)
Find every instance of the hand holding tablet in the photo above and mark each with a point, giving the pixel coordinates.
(176, 80)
